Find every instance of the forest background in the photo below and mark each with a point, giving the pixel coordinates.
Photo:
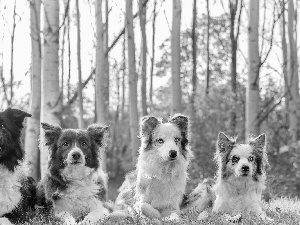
(230, 65)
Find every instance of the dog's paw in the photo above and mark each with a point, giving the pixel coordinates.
(233, 219)
(203, 215)
(5, 221)
(149, 211)
(173, 217)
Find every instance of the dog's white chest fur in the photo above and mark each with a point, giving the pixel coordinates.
(79, 198)
(10, 194)
(164, 193)
(243, 197)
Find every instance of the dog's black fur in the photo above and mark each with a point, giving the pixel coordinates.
(55, 184)
(11, 155)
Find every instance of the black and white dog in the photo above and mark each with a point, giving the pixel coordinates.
(17, 190)
(75, 184)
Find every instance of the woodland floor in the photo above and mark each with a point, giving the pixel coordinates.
(283, 211)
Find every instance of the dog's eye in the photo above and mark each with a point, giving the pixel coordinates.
(235, 159)
(2, 126)
(160, 141)
(66, 144)
(83, 143)
(177, 140)
(251, 158)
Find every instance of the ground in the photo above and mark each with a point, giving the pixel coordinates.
(282, 211)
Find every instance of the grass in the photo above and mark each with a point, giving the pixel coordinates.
(282, 211)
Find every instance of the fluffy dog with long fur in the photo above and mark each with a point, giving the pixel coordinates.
(17, 189)
(155, 189)
(240, 178)
(75, 183)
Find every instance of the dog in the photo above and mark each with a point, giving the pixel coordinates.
(240, 178)
(155, 188)
(75, 184)
(17, 189)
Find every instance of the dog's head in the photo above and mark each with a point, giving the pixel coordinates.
(11, 125)
(241, 160)
(74, 150)
(167, 140)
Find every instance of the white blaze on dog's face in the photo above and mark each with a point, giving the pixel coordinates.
(241, 160)
(165, 141)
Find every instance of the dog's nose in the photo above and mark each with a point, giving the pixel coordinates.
(245, 168)
(76, 155)
(172, 154)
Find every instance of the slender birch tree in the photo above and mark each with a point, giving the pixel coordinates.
(100, 65)
(175, 58)
(194, 54)
(100, 76)
(207, 48)
(79, 88)
(252, 95)
(143, 17)
(133, 78)
(51, 95)
(284, 56)
(33, 123)
(106, 64)
(153, 56)
(293, 80)
(235, 8)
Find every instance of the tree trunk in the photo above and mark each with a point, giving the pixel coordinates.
(123, 78)
(284, 59)
(143, 17)
(69, 58)
(194, 76)
(207, 48)
(12, 55)
(79, 88)
(100, 65)
(51, 96)
(252, 95)
(133, 78)
(153, 57)
(106, 64)
(293, 80)
(234, 35)
(175, 54)
(33, 123)
(101, 70)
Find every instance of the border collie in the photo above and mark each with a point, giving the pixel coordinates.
(17, 190)
(240, 179)
(75, 184)
(155, 189)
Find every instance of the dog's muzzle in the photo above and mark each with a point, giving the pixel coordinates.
(172, 154)
(245, 170)
(76, 158)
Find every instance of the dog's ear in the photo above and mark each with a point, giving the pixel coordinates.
(17, 116)
(259, 142)
(181, 121)
(51, 133)
(147, 125)
(224, 143)
(99, 133)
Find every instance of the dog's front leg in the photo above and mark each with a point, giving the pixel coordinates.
(66, 217)
(5, 221)
(147, 210)
(94, 216)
